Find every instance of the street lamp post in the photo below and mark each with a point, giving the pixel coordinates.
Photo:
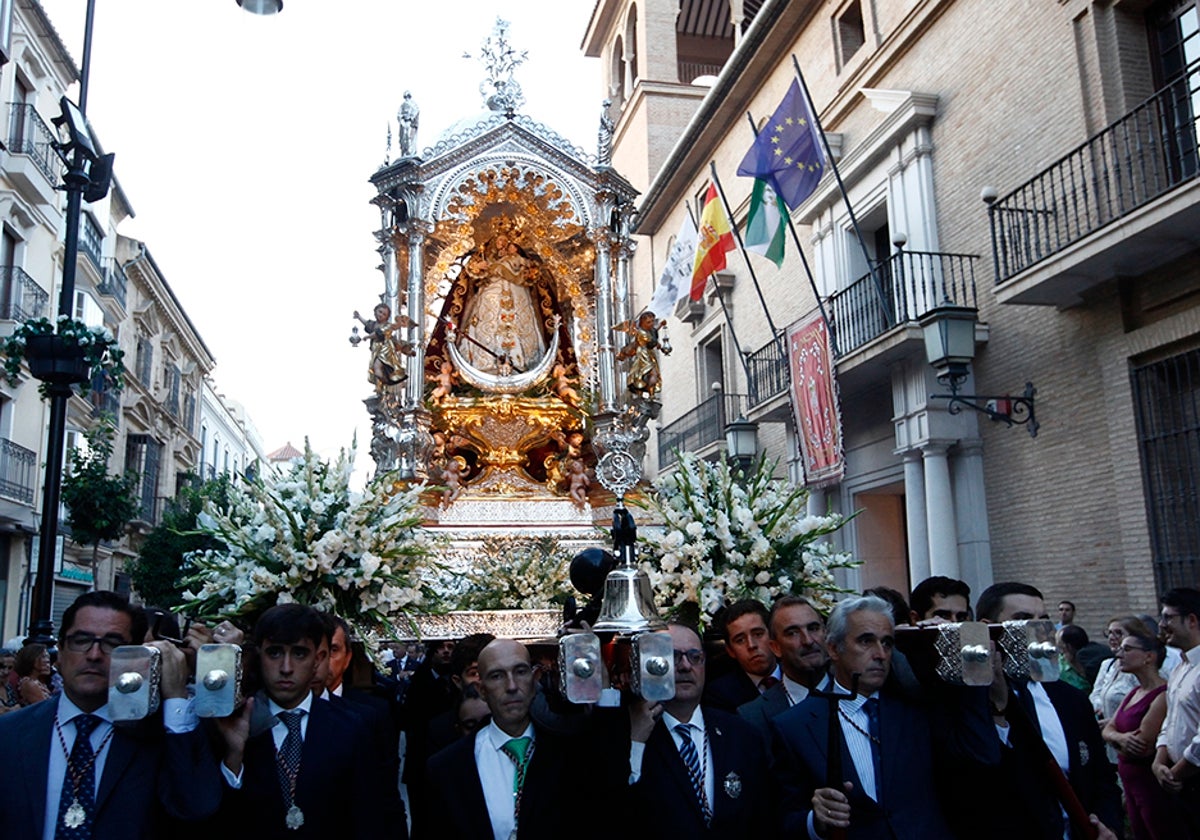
(82, 177)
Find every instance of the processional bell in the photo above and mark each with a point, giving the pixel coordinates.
(628, 603)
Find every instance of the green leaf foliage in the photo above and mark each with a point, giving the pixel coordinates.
(99, 505)
(157, 571)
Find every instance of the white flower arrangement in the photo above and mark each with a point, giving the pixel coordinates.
(512, 573)
(300, 535)
(727, 536)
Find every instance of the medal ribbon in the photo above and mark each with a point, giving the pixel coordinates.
(287, 761)
(74, 818)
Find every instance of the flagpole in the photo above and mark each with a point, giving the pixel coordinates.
(812, 109)
(812, 282)
(737, 235)
(737, 346)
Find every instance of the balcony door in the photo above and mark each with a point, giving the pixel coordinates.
(1175, 54)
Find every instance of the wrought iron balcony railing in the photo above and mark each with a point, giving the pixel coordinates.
(700, 427)
(29, 135)
(1141, 156)
(768, 369)
(114, 283)
(18, 469)
(21, 298)
(913, 283)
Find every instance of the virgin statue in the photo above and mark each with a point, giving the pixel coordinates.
(501, 316)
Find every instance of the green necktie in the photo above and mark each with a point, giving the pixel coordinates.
(518, 750)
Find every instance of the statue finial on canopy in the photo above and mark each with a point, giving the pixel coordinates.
(500, 91)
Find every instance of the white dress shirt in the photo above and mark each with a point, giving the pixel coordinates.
(1180, 732)
(795, 691)
(178, 717)
(497, 776)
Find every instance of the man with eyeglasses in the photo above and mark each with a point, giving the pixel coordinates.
(695, 770)
(1177, 757)
(70, 773)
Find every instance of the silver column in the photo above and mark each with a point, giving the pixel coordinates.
(606, 353)
(416, 311)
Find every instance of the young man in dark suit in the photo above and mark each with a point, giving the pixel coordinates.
(744, 625)
(695, 771)
(69, 772)
(296, 766)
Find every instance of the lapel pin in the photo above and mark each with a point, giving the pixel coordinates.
(733, 785)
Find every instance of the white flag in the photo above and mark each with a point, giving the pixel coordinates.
(676, 279)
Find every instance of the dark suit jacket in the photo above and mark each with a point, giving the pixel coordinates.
(911, 734)
(340, 786)
(551, 803)
(664, 802)
(729, 692)
(1023, 780)
(149, 775)
(759, 711)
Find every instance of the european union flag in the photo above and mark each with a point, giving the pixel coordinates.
(787, 152)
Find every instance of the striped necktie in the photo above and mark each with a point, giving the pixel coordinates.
(691, 758)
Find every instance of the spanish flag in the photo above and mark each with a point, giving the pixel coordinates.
(714, 239)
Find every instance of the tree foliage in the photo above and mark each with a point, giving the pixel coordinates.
(156, 572)
(99, 505)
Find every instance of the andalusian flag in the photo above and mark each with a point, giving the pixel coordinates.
(714, 239)
(764, 225)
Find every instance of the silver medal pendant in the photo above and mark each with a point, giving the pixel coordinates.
(295, 817)
(75, 815)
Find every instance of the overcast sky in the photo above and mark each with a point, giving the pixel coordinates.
(244, 144)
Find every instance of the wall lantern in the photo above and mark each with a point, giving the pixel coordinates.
(950, 346)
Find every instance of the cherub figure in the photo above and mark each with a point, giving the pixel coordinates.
(452, 476)
(644, 377)
(574, 444)
(562, 385)
(445, 379)
(388, 348)
(580, 483)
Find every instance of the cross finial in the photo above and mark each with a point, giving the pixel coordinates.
(500, 90)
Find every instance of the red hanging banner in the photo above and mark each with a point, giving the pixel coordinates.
(815, 402)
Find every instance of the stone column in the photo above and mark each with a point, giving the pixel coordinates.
(970, 507)
(916, 516)
(939, 511)
(818, 502)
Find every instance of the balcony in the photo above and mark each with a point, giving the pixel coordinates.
(90, 239)
(1123, 203)
(35, 165)
(703, 426)
(114, 283)
(18, 472)
(21, 298)
(913, 283)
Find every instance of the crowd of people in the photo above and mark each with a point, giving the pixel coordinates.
(792, 723)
